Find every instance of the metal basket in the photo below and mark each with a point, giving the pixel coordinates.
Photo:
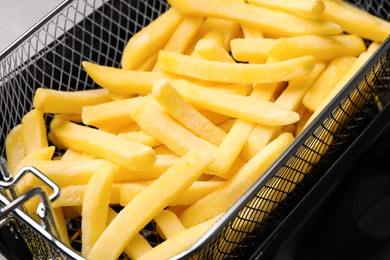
(50, 55)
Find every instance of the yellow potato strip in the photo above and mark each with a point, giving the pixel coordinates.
(242, 107)
(223, 198)
(326, 81)
(150, 38)
(179, 243)
(311, 9)
(356, 21)
(95, 207)
(323, 48)
(14, 148)
(150, 202)
(251, 32)
(156, 122)
(34, 131)
(269, 21)
(140, 137)
(185, 114)
(121, 81)
(251, 50)
(219, 71)
(211, 50)
(68, 102)
(168, 224)
(130, 155)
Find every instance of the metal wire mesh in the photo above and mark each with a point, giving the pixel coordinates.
(50, 55)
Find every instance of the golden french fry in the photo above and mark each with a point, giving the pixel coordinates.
(234, 72)
(311, 9)
(150, 202)
(168, 224)
(185, 114)
(34, 131)
(323, 48)
(252, 50)
(95, 206)
(212, 50)
(269, 21)
(242, 107)
(356, 21)
(130, 155)
(14, 148)
(140, 137)
(223, 198)
(68, 102)
(150, 38)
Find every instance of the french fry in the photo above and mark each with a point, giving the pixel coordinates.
(234, 72)
(150, 38)
(68, 102)
(168, 224)
(223, 198)
(130, 155)
(140, 137)
(14, 148)
(171, 184)
(326, 81)
(324, 48)
(252, 50)
(245, 108)
(179, 243)
(311, 9)
(120, 80)
(185, 114)
(347, 15)
(95, 206)
(251, 32)
(155, 121)
(269, 21)
(70, 155)
(34, 131)
(211, 50)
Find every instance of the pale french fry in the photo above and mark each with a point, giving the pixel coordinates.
(356, 21)
(269, 21)
(120, 80)
(95, 206)
(311, 9)
(215, 118)
(242, 107)
(130, 155)
(59, 219)
(68, 102)
(252, 50)
(140, 137)
(34, 131)
(168, 224)
(185, 114)
(251, 32)
(211, 50)
(234, 72)
(323, 48)
(70, 155)
(149, 63)
(155, 121)
(110, 113)
(150, 38)
(170, 185)
(137, 246)
(227, 125)
(14, 148)
(120, 96)
(120, 128)
(179, 243)
(326, 81)
(223, 198)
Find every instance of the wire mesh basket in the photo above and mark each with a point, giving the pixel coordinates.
(50, 55)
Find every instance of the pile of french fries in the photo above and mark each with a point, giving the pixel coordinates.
(207, 97)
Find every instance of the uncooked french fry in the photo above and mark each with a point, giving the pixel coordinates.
(245, 108)
(326, 81)
(95, 206)
(155, 121)
(68, 102)
(168, 224)
(269, 21)
(234, 72)
(14, 148)
(150, 202)
(150, 38)
(323, 48)
(185, 114)
(179, 243)
(311, 9)
(223, 198)
(130, 155)
(34, 131)
(356, 21)
(120, 80)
